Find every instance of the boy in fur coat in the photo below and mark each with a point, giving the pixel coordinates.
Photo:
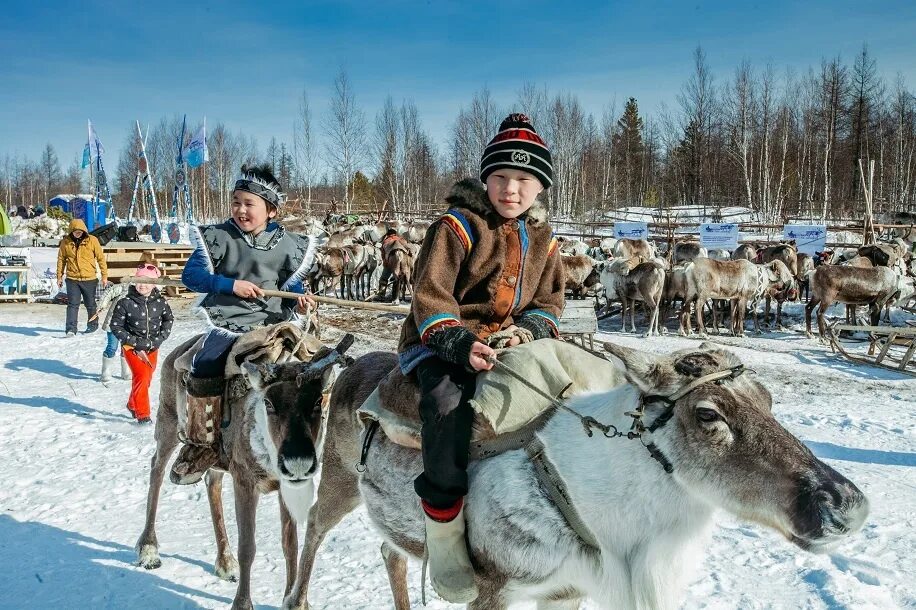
(233, 263)
(488, 275)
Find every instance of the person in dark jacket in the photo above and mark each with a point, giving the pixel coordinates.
(141, 321)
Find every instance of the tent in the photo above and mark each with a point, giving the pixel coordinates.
(6, 227)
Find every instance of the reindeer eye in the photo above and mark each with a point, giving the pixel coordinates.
(270, 407)
(707, 416)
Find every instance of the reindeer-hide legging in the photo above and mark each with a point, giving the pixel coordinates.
(446, 390)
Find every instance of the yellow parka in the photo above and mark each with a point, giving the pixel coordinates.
(78, 257)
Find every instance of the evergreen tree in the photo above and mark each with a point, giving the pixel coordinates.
(627, 146)
(50, 171)
(362, 192)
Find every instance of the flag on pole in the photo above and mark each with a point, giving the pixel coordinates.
(196, 153)
(86, 159)
(94, 140)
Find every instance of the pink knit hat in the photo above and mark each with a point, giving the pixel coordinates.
(147, 270)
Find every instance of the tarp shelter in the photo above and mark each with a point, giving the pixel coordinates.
(62, 202)
(6, 226)
(94, 214)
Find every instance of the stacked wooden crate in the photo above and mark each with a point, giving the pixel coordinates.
(123, 258)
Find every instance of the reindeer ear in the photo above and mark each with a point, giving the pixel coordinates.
(641, 369)
(252, 374)
(772, 272)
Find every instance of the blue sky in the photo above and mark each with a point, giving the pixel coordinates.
(246, 63)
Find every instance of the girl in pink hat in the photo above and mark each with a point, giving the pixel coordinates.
(141, 321)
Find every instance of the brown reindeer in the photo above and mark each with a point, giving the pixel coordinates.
(740, 281)
(875, 287)
(723, 447)
(803, 277)
(687, 251)
(332, 268)
(746, 252)
(631, 248)
(631, 281)
(397, 257)
(581, 274)
(273, 441)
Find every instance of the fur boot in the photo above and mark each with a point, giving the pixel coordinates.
(108, 365)
(126, 374)
(450, 569)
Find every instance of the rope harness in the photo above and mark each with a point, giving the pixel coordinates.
(548, 477)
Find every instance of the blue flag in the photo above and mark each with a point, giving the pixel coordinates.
(196, 153)
(85, 162)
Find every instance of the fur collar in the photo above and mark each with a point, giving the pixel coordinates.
(471, 194)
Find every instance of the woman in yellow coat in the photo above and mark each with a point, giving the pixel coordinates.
(76, 259)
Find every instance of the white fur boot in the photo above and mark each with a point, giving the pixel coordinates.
(125, 369)
(107, 369)
(450, 569)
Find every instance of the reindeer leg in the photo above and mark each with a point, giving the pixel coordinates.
(166, 441)
(338, 495)
(821, 326)
(226, 567)
(701, 326)
(290, 541)
(489, 600)
(809, 307)
(246, 506)
(396, 566)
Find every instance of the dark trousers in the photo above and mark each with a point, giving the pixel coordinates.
(210, 361)
(77, 291)
(447, 417)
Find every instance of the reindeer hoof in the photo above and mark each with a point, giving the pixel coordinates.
(242, 604)
(227, 568)
(289, 603)
(149, 557)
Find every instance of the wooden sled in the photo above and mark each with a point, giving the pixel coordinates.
(885, 340)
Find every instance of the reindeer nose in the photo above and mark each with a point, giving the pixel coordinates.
(297, 467)
(842, 506)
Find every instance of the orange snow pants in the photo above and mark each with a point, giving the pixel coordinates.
(138, 403)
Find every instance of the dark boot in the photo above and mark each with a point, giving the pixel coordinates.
(201, 435)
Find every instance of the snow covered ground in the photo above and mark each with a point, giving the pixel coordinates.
(73, 478)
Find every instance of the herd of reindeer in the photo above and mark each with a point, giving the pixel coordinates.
(374, 261)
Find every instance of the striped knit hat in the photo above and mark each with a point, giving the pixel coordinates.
(517, 146)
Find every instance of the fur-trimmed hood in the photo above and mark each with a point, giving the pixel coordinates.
(470, 193)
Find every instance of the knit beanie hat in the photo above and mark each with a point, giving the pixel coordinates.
(147, 270)
(517, 146)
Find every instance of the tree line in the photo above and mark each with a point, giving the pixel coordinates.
(778, 141)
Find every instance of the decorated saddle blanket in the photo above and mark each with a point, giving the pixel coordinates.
(260, 345)
(507, 411)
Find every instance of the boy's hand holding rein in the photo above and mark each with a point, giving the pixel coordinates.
(479, 354)
(246, 290)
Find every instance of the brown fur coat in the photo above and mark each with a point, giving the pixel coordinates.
(484, 272)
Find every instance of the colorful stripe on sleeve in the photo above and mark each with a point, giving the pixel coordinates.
(549, 318)
(462, 228)
(435, 322)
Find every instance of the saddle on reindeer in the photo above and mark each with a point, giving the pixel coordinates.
(511, 403)
(273, 344)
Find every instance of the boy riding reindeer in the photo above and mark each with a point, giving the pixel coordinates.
(488, 275)
(233, 263)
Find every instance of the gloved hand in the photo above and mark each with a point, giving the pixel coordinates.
(507, 337)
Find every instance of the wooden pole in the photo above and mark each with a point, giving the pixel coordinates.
(162, 281)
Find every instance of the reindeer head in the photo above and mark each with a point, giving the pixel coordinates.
(728, 451)
(288, 401)
(781, 281)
